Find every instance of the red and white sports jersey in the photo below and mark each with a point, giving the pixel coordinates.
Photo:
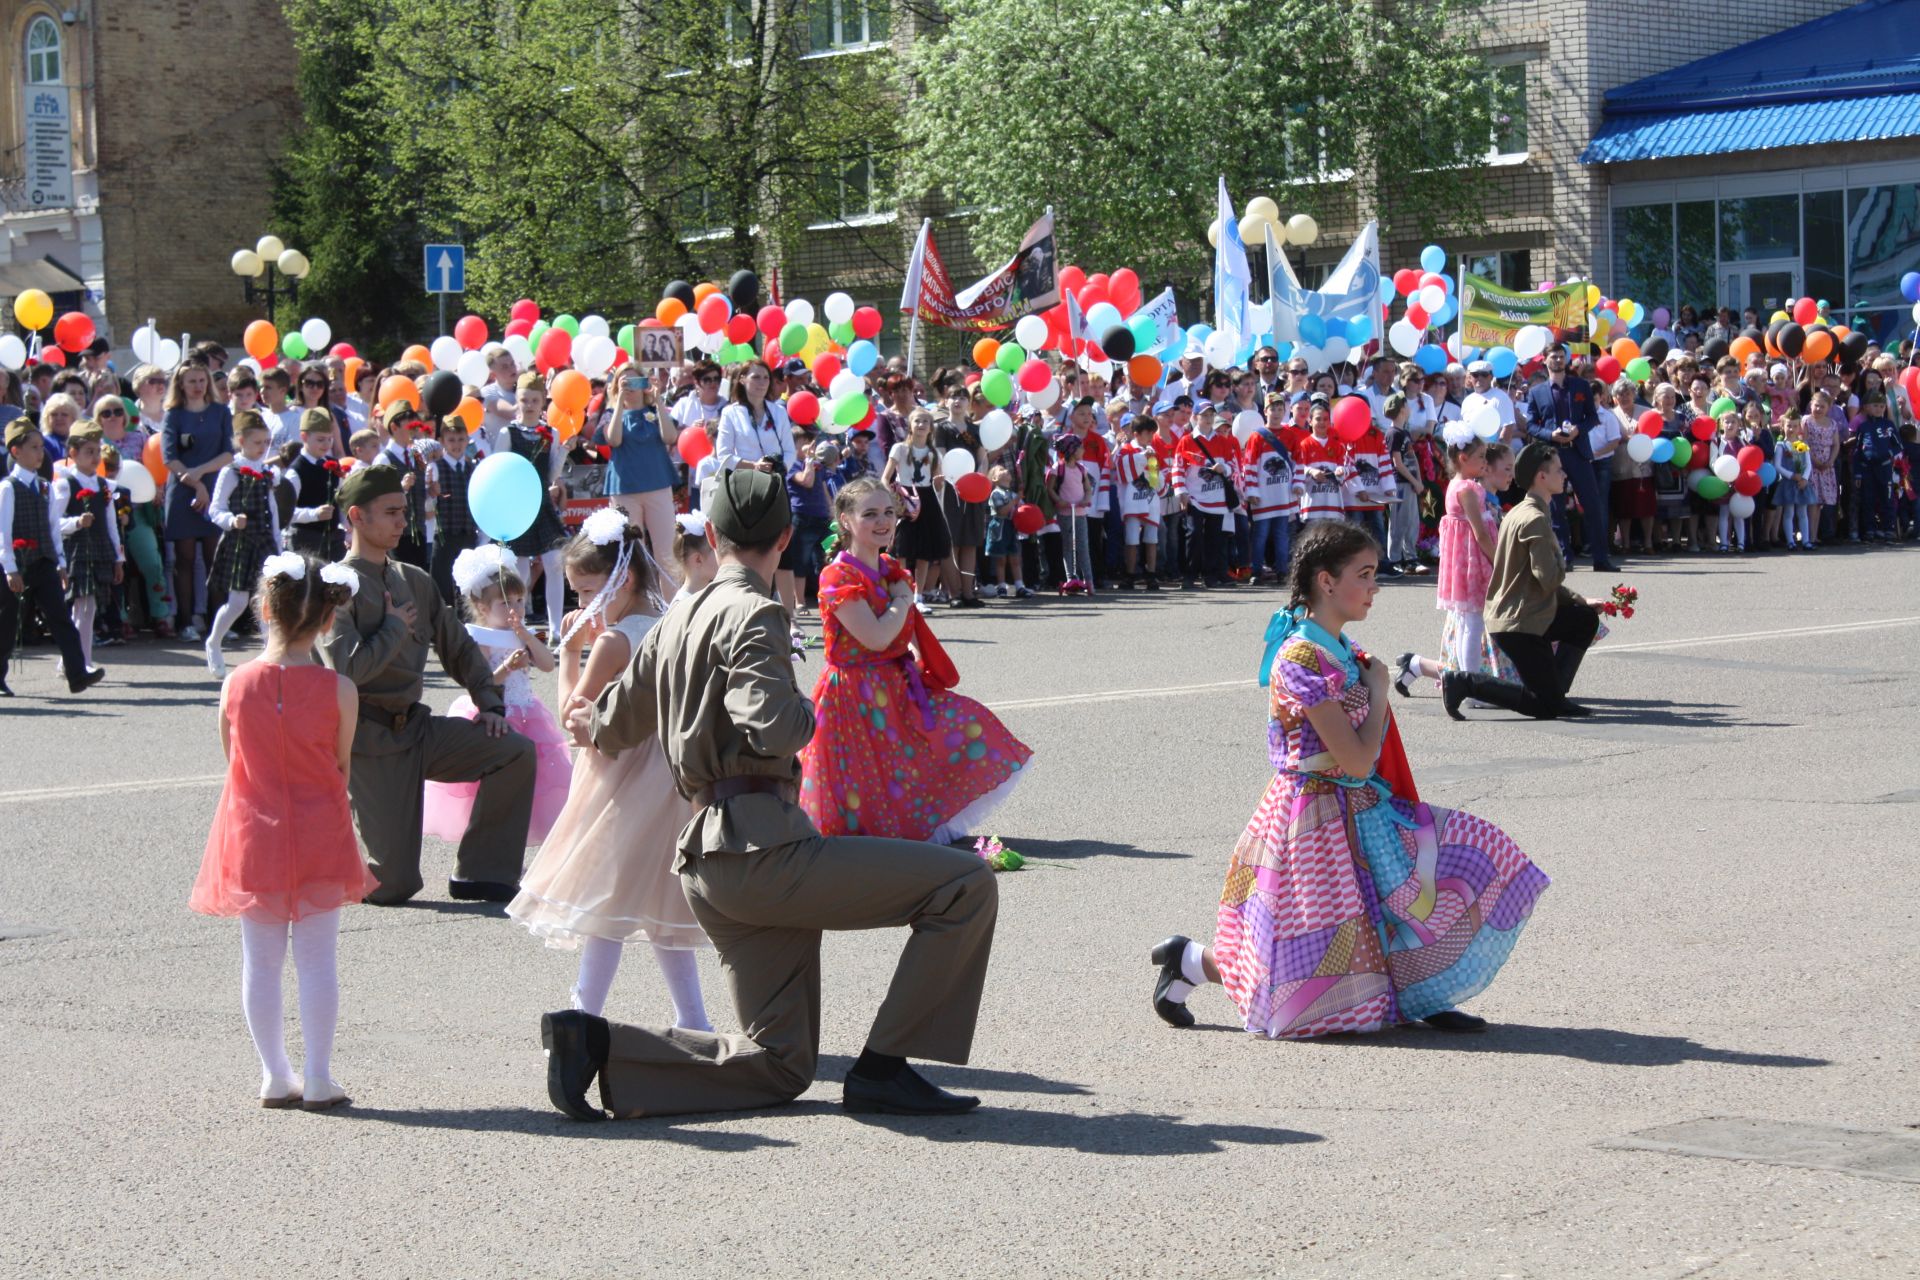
(1139, 482)
(1369, 479)
(1321, 498)
(1269, 479)
(1200, 483)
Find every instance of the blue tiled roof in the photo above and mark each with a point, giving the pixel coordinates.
(1791, 124)
(1850, 76)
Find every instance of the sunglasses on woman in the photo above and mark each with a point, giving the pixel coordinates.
(109, 413)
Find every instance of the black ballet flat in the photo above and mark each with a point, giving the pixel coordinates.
(577, 1044)
(1452, 693)
(482, 890)
(1455, 1021)
(1401, 668)
(1168, 955)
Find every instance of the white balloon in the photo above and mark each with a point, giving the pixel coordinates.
(997, 427)
(1316, 359)
(1916, 313)
(251, 365)
(1486, 422)
(1640, 448)
(593, 354)
(1404, 338)
(846, 383)
(1222, 344)
(317, 334)
(136, 480)
(957, 463)
(168, 355)
(1739, 506)
(1727, 467)
(690, 326)
(799, 311)
(472, 370)
(1338, 349)
(1432, 298)
(13, 352)
(445, 352)
(1031, 332)
(712, 342)
(1529, 342)
(1245, 423)
(597, 326)
(145, 341)
(520, 349)
(828, 425)
(1046, 397)
(839, 308)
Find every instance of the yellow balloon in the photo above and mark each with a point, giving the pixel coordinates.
(1593, 295)
(33, 309)
(1778, 317)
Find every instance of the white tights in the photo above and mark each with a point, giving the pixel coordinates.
(600, 960)
(556, 586)
(263, 956)
(83, 611)
(228, 614)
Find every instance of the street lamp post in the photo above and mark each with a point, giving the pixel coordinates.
(282, 269)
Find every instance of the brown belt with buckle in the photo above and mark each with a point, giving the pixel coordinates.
(745, 784)
(394, 720)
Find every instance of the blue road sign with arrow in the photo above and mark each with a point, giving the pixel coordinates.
(446, 268)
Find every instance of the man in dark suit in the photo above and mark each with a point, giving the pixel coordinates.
(1560, 412)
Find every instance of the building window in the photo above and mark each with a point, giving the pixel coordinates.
(1696, 255)
(1643, 254)
(1509, 268)
(1757, 228)
(848, 24)
(700, 216)
(857, 191)
(1509, 108)
(43, 51)
(1303, 142)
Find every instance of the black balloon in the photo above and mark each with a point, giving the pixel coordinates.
(1716, 350)
(1773, 335)
(1656, 349)
(744, 291)
(1855, 345)
(440, 393)
(1791, 340)
(1117, 343)
(682, 290)
(1756, 333)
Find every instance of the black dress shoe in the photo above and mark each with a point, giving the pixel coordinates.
(1606, 566)
(1402, 669)
(1452, 693)
(908, 1094)
(577, 1045)
(1167, 955)
(87, 681)
(482, 890)
(4, 691)
(1573, 709)
(1454, 1020)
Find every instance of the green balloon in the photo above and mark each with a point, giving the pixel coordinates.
(568, 323)
(1724, 404)
(841, 331)
(1639, 368)
(1682, 453)
(538, 331)
(624, 339)
(1012, 356)
(792, 338)
(1712, 486)
(997, 387)
(133, 410)
(849, 410)
(293, 346)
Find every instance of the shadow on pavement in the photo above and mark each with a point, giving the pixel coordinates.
(833, 1067)
(1123, 1133)
(545, 1122)
(1587, 1044)
(1067, 850)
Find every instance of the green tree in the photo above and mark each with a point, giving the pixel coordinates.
(1121, 114)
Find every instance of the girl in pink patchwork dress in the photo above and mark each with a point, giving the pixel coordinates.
(1349, 904)
(1468, 528)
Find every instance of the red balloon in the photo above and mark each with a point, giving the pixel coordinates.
(714, 312)
(342, 351)
(866, 419)
(1124, 288)
(1606, 368)
(1028, 519)
(772, 320)
(1651, 423)
(525, 309)
(1747, 482)
(1092, 351)
(1751, 457)
(646, 322)
(1033, 375)
(803, 407)
(740, 329)
(1702, 430)
(555, 350)
(867, 322)
(1417, 316)
(58, 358)
(1910, 383)
(1406, 282)
(522, 327)
(470, 332)
(1094, 294)
(773, 355)
(1433, 277)
(826, 366)
(74, 331)
(1072, 280)
(1352, 416)
(1806, 311)
(694, 445)
(1100, 280)
(973, 487)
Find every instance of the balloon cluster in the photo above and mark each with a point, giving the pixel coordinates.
(266, 344)
(1262, 213)
(1430, 303)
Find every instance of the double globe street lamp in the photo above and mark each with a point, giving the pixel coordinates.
(282, 268)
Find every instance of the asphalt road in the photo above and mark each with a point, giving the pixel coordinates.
(1730, 933)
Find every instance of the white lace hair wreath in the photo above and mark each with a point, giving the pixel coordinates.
(608, 525)
(292, 566)
(476, 568)
(692, 523)
(1458, 434)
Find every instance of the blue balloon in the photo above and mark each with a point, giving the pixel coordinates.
(1663, 449)
(862, 356)
(1102, 316)
(1198, 335)
(1504, 361)
(1285, 350)
(1176, 344)
(1444, 314)
(1146, 333)
(1313, 330)
(1431, 359)
(1359, 329)
(1433, 258)
(1387, 290)
(504, 496)
(1910, 286)
(1767, 474)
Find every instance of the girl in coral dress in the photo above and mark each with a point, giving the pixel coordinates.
(605, 876)
(1349, 904)
(496, 598)
(281, 854)
(895, 752)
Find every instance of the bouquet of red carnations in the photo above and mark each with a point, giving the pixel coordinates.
(1620, 604)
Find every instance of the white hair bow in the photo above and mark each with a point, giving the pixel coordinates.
(340, 576)
(290, 565)
(477, 567)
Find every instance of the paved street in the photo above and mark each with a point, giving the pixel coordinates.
(1730, 933)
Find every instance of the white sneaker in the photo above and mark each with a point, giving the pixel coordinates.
(191, 634)
(216, 665)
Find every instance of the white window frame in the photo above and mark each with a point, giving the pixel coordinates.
(57, 50)
(838, 43)
(1497, 63)
(867, 217)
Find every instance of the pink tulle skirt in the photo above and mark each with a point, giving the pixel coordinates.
(448, 805)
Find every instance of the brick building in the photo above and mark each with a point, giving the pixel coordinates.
(175, 113)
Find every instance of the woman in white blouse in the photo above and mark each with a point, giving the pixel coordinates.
(754, 432)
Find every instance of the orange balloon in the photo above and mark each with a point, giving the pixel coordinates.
(350, 370)
(703, 291)
(1625, 349)
(1773, 348)
(1819, 347)
(153, 456)
(417, 354)
(669, 310)
(565, 425)
(985, 351)
(570, 391)
(1144, 370)
(260, 339)
(399, 387)
(470, 413)
(1743, 349)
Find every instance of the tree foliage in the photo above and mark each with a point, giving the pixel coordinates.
(1121, 114)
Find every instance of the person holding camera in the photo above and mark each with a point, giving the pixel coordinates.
(640, 471)
(755, 434)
